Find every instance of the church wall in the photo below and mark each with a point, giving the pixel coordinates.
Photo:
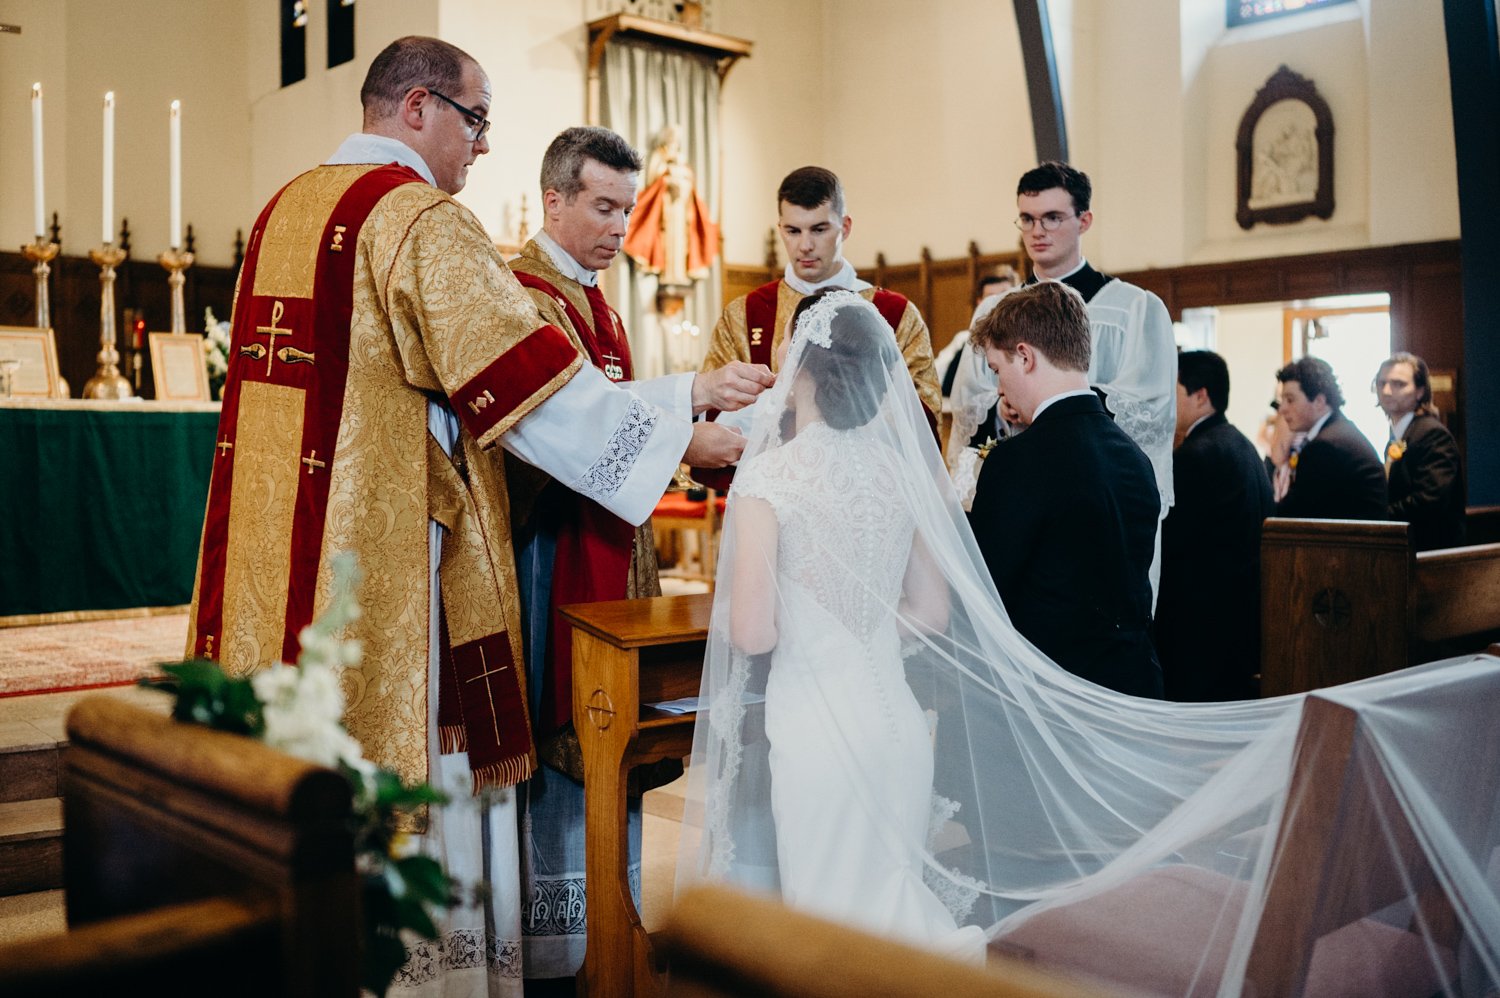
(1157, 134)
(184, 50)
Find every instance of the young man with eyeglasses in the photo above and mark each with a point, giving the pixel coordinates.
(1134, 360)
(380, 350)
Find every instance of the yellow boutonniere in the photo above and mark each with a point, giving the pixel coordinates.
(1292, 461)
(985, 448)
(1396, 450)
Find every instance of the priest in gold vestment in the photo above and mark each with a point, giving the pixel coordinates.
(813, 225)
(380, 348)
(570, 550)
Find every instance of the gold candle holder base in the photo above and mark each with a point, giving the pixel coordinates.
(41, 254)
(107, 382)
(176, 261)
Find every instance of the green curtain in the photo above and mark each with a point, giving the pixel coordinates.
(101, 510)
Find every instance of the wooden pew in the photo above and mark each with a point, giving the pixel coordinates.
(195, 862)
(725, 944)
(1342, 852)
(627, 653)
(1347, 599)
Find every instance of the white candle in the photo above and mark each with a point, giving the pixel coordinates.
(109, 167)
(174, 118)
(38, 183)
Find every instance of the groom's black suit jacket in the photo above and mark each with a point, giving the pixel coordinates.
(1065, 516)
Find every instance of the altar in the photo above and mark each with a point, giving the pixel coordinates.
(101, 505)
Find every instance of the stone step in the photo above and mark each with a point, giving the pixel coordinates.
(30, 759)
(31, 846)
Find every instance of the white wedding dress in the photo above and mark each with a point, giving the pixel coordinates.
(886, 751)
(850, 748)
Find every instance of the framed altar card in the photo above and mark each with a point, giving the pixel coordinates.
(28, 362)
(178, 367)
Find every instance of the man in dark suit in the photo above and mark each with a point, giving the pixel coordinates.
(1208, 611)
(1335, 473)
(1065, 514)
(1424, 477)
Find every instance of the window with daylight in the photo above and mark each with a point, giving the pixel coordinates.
(293, 41)
(1254, 11)
(340, 32)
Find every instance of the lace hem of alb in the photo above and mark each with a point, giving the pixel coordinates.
(605, 476)
(461, 949)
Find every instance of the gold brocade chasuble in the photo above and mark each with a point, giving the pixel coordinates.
(365, 294)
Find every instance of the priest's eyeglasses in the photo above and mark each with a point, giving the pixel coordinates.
(478, 123)
(1050, 221)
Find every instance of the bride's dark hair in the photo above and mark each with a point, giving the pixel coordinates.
(849, 375)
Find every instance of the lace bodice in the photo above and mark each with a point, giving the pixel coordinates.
(836, 498)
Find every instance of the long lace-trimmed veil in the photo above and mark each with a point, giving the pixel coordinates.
(864, 689)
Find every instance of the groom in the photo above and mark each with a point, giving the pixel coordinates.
(1065, 514)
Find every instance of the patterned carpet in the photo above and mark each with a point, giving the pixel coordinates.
(53, 657)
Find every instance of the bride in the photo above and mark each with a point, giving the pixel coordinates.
(880, 747)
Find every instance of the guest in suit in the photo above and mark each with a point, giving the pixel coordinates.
(1065, 514)
(1335, 473)
(1424, 477)
(1208, 611)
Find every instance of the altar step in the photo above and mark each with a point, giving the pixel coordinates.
(30, 810)
(32, 739)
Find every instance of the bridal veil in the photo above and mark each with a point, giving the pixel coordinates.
(1173, 837)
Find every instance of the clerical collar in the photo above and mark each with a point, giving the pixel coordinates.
(1313, 432)
(1058, 398)
(1400, 426)
(845, 278)
(564, 261)
(362, 147)
(1082, 262)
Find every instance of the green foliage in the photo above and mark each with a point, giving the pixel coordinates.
(205, 695)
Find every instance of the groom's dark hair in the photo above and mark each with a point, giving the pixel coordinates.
(850, 374)
(1049, 316)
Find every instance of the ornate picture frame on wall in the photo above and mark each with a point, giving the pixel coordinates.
(1285, 153)
(28, 363)
(178, 368)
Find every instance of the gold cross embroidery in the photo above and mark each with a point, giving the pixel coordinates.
(313, 463)
(494, 722)
(224, 446)
(273, 331)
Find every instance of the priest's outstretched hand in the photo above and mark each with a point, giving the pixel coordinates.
(731, 387)
(714, 446)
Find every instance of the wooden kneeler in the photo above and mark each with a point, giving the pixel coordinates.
(195, 862)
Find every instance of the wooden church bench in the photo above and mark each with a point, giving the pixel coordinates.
(195, 862)
(720, 943)
(1347, 599)
(1343, 852)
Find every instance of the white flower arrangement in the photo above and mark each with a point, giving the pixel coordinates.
(216, 350)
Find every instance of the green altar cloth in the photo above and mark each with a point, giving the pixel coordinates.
(101, 503)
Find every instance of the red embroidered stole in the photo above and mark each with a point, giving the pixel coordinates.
(594, 547)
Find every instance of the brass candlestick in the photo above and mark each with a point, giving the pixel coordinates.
(41, 254)
(176, 261)
(107, 382)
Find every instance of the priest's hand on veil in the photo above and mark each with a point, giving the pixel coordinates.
(714, 446)
(731, 387)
